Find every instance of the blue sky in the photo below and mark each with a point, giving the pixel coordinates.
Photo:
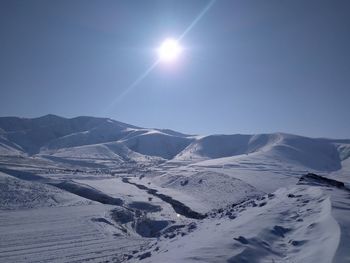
(247, 66)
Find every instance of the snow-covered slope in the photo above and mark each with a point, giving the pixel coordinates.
(52, 131)
(315, 154)
(218, 146)
(279, 227)
(49, 134)
(8, 148)
(156, 195)
(155, 143)
(103, 138)
(18, 194)
(112, 151)
(204, 190)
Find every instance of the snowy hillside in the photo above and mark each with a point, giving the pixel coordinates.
(8, 148)
(276, 228)
(16, 194)
(51, 131)
(313, 154)
(108, 139)
(92, 189)
(48, 134)
(155, 143)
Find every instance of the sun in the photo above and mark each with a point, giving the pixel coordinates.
(169, 50)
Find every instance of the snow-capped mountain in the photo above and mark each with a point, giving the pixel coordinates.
(123, 193)
(103, 138)
(51, 133)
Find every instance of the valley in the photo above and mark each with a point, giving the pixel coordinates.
(96, 190)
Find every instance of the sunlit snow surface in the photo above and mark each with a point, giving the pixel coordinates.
(111, 192)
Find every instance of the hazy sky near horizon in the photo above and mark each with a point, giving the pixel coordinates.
(247, 66)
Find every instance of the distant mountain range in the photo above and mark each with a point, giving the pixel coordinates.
(104, 138)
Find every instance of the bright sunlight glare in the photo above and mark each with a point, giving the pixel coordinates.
(169, 50)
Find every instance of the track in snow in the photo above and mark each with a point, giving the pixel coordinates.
(61, 234)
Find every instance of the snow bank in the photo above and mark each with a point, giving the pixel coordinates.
(292, 225)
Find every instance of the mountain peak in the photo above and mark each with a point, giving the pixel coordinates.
(50, 117)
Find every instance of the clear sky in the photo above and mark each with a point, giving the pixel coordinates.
(247, 66)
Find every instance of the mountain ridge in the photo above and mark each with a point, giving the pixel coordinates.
(86, 136)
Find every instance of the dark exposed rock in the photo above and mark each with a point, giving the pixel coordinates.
(179, 207)
(242, 240)
(122, 215)
(280, 231)
(150, 228)
(270, 195)
(145, 255)
(315, 179)
(192, 226)
(183, 183)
